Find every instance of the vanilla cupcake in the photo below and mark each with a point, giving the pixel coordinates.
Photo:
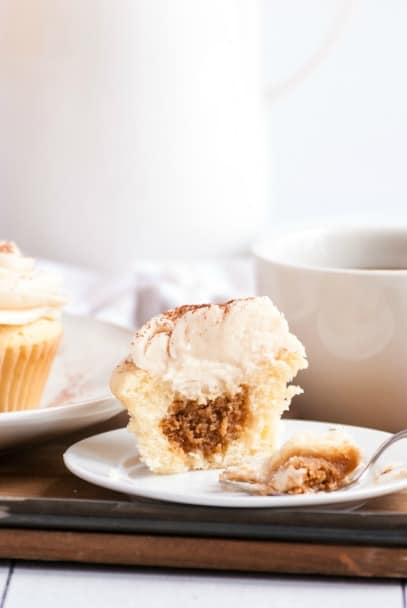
(205, 386)
(30, 328)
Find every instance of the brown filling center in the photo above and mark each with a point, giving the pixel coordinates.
(207, 427)
(322, 475)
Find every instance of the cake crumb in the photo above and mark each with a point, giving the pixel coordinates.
(308, 462)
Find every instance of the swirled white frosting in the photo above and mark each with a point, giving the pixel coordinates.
(26, 294)
(204, 350)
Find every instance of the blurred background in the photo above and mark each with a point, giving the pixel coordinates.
(156, 129)
(339, 138)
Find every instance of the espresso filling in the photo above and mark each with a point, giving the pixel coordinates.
(207, 427)
(320, 474)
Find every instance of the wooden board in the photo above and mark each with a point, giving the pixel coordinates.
(214, 554)
(47, 513)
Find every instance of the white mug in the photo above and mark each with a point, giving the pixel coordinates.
(134, 128)
(344, 294)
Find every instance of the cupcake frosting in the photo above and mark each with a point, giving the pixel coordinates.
(26, 294)
(210, 348)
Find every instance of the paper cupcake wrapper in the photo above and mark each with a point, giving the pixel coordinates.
(24, 371)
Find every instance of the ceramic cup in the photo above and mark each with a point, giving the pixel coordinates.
(344, 293)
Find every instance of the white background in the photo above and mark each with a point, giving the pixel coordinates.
(339, 139)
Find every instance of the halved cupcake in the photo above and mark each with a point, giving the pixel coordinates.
(205, 386)
(30, 329)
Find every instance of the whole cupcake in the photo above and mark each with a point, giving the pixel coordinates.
(30, 328)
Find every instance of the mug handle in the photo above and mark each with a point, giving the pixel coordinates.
(276, 90)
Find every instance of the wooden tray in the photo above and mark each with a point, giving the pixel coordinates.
(48, 514)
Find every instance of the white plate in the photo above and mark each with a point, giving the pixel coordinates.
(77, 394)
(111, 460)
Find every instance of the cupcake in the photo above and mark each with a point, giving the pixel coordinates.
(205, 386)
(30, 329)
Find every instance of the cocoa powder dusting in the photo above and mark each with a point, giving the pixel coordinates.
(168, 318)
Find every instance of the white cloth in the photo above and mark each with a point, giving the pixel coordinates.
(131, 298)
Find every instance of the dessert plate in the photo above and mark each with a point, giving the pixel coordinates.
(111, 460)
(77, 393)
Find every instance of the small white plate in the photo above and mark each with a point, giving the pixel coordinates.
(77, 393)
(111, 460)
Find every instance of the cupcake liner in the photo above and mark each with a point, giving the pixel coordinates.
(24, 371)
